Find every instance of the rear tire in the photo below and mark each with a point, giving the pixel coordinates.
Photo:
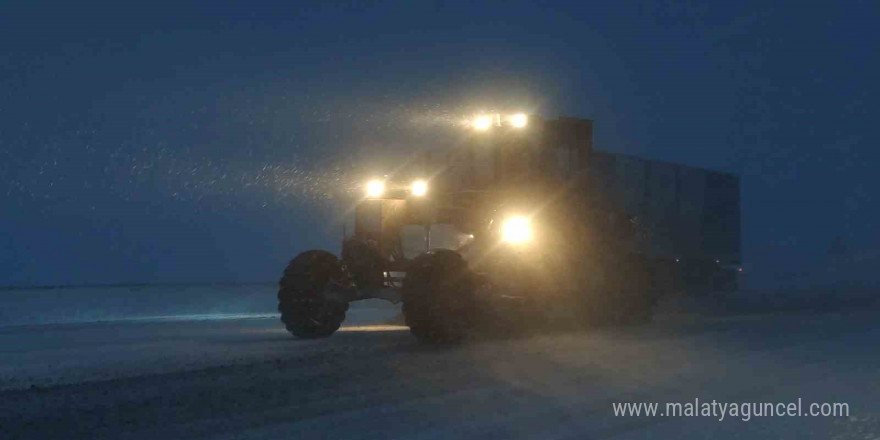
(438, 297)
(304, 311)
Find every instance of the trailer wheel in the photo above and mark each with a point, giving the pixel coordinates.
(438, 297)
(304, 312)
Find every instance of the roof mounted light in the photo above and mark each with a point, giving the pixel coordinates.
(419, 188)
(519, 120)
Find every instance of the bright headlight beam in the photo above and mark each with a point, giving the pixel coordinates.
(419, 188)
(519, 120)
(375, 188)
(482, 123)
(516, 229)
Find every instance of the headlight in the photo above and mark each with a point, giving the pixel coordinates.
(375, 188)
(419, 188)
(482, 123)
(516, 229)
(519, 120)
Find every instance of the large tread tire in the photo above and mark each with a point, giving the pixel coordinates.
(304, 312)
(438, 298)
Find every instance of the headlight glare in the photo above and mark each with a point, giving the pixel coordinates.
(516, 229)
(375, 188)
(419, 188)
(482, 123)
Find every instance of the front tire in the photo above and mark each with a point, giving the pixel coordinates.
(438, 297)
(304, 311)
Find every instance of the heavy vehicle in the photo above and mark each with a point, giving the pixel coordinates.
(522, 225)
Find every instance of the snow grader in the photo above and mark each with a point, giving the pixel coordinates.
(503, 231)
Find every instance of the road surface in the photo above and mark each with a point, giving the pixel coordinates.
(245, 378)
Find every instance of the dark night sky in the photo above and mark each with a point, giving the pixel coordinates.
(205, 141)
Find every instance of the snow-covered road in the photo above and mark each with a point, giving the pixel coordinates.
(247, 379)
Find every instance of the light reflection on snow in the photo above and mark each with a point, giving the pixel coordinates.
(375, 328)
